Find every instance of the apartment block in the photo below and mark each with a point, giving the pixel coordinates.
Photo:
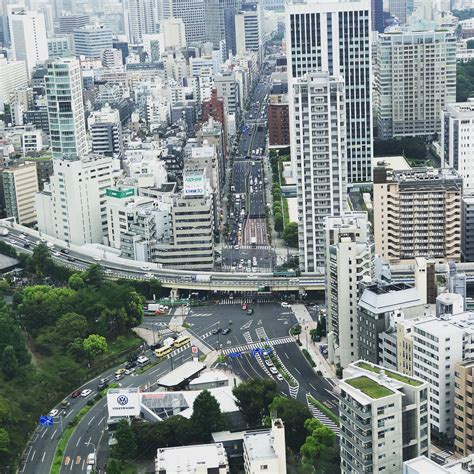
(468, 228)
(349, 261)
(105, 129)
(464, 407)
(278, 120)
(384, 419)
(13, 76)
(415, 77)
(91, 40)
(417, 213)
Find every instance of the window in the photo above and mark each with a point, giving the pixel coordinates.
(263, 467)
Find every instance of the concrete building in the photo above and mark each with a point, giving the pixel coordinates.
(188, 459)
(105, 129)
(60, 46)
(215, 11)
(457, 141)
(69, 23)
(463, 407)
(192, 12)
(91, 40)
(318, 151)
(73, 208)
(112, 58)
(384, 419)
(349, 256)
(467, 228)
(423, 465)
(173, 32)
(139, 19)
(347, 26)
(438, 344)
(227, 88)
(13, 76)
(249, 29)
(28, 37)
(417, 213)
(278, 121)
(20, 185)
(415, 77)
(65, 108)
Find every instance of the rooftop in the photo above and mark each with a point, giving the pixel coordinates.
(393, 375)
(369, 386)
(258, 445)
(381, 298)
(181, 374)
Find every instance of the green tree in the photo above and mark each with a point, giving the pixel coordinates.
(71, 326)
(10, 335)
(319, 449)
(9, 362)
(94, 275)
(207, 416)
(126, 447)
(278, 218)
(114, 466)
(294, 414)
(253, 398)
(4, 441)
(290, 235)
(40, 261)
(95, 345)
(76, 282)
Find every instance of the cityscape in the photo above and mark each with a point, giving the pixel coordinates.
(236, 236)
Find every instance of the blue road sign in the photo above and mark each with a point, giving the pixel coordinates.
(46, 420)
(245, 128)
(235, 355)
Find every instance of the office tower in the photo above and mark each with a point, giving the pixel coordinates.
(417, 213)
(28, 37)
(65, 108)
(415, 77)
(192, 12)
(60, 46)
(384, 419)
(106, 132)
(401, 9)
(227, 88)
(139, 19)
(69, 23)
(91, 40)
(20, 185)
(278, 120)
(249, 29)
(457, 141)
(349, 260)
(463, 407)
(13, 76)
(73, 207)
(318, 150)
(174, 33)
(377, 16)
(438, 344)
(467, 220)
(275, 5)
(215, 18)
(335, 37)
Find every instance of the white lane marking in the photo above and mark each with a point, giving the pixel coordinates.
(312, 386)
(77, 444)
(44, 454)
(72, 463)
(286, 355)
(101, 420)
(33, 456)
(297, 371)
(44, 432)
(54, 434)
(89, 440)
(90, 421)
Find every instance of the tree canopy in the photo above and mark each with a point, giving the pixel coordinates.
(207, 416)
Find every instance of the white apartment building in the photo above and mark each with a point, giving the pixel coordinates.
(65, 108)
(438, 344)
(318, 150)
(336, 37)
(111, 58)
(249, 30)
(139, 19)
(73, 209)
(349, 260)
(384, 419)
(228, 89)
(415, 77)
(457, 141)
(174, 33)
(13, 76)
(105, 129)
(28, 37)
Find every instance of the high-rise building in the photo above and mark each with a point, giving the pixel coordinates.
(349, 258)
(105, 129)
(193, 14)
(415, 77)
(463, 407)
(91, 40)
(73, 207)
(401, 9)
(13, 76)
(377, 16)
(69, 23)
(467, 221)
(384, 419)
(457, 141)
(249, 29)
(60, 46)
(65, 108)
(417, 213)
(139, 19)
(173, 33)
(28, 37)
(318, 150)
(215, 18)
(278, 120)
(335, 37)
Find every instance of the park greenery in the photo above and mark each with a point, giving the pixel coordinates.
(55, 336)
(464, 81)
(413, 148)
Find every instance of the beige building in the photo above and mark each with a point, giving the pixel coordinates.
(417, 213)
(405, 347)
(20, 185)
(463, 407)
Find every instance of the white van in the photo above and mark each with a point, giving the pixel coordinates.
(143, 360)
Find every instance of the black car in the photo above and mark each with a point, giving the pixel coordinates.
(103, 384)
(71, 259)
(65, 251)
(133, 358)
(216, 331)
(250, 311)
(226, 331)
(131, 365)
(155, 346)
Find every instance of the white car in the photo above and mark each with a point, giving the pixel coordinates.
(145, 267)
(22, 236)
(284, 304)
(97, 258)
(86, 392)
(129, 371)
(53, 413)
(279, 377)
(273, 370)
(269, 362)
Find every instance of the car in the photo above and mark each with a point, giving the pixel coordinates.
(22, 236)
(269, 362)
(71, 259)
(226, 331)
(130, 371)
(26, 245)
(65, 251)
(120, 371)
(103, 384)
(245, 307)
(56, 254)
(216, 331)
(250, 311)
(119, 376)
(97, 258)
(53, 413)
(65, 404)
(284, 304)
(279, 377)
(75, 394)
(132, 365)
(145, 267)
(86, 392)
(273, 370)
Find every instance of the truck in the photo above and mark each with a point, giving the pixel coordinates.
(253, 242)
(203, 278)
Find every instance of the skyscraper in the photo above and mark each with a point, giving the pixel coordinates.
(318, 149)
(335, 37)
(215, 18)
(91, 40)
(106, 132)
(65, 108)
(193, 14)
(28, 37)
(139, 19)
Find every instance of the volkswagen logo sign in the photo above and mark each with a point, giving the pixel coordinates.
(122, 400)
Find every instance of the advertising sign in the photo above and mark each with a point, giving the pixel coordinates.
(123, 401)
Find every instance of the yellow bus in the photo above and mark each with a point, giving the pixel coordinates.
(163, 351)
(181, 341)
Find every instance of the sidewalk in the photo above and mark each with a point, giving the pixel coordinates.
(307, 323)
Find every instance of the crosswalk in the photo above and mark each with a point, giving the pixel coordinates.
(255, 345)
(261, 333)
(320, 416)
(178, 350)
(197, 314)
(241, 301)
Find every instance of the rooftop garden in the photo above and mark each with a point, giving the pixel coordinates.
(393, 375)
(370, 387)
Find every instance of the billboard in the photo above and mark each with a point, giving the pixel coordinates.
(193, 184)
(119, 193)
(123, 401)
